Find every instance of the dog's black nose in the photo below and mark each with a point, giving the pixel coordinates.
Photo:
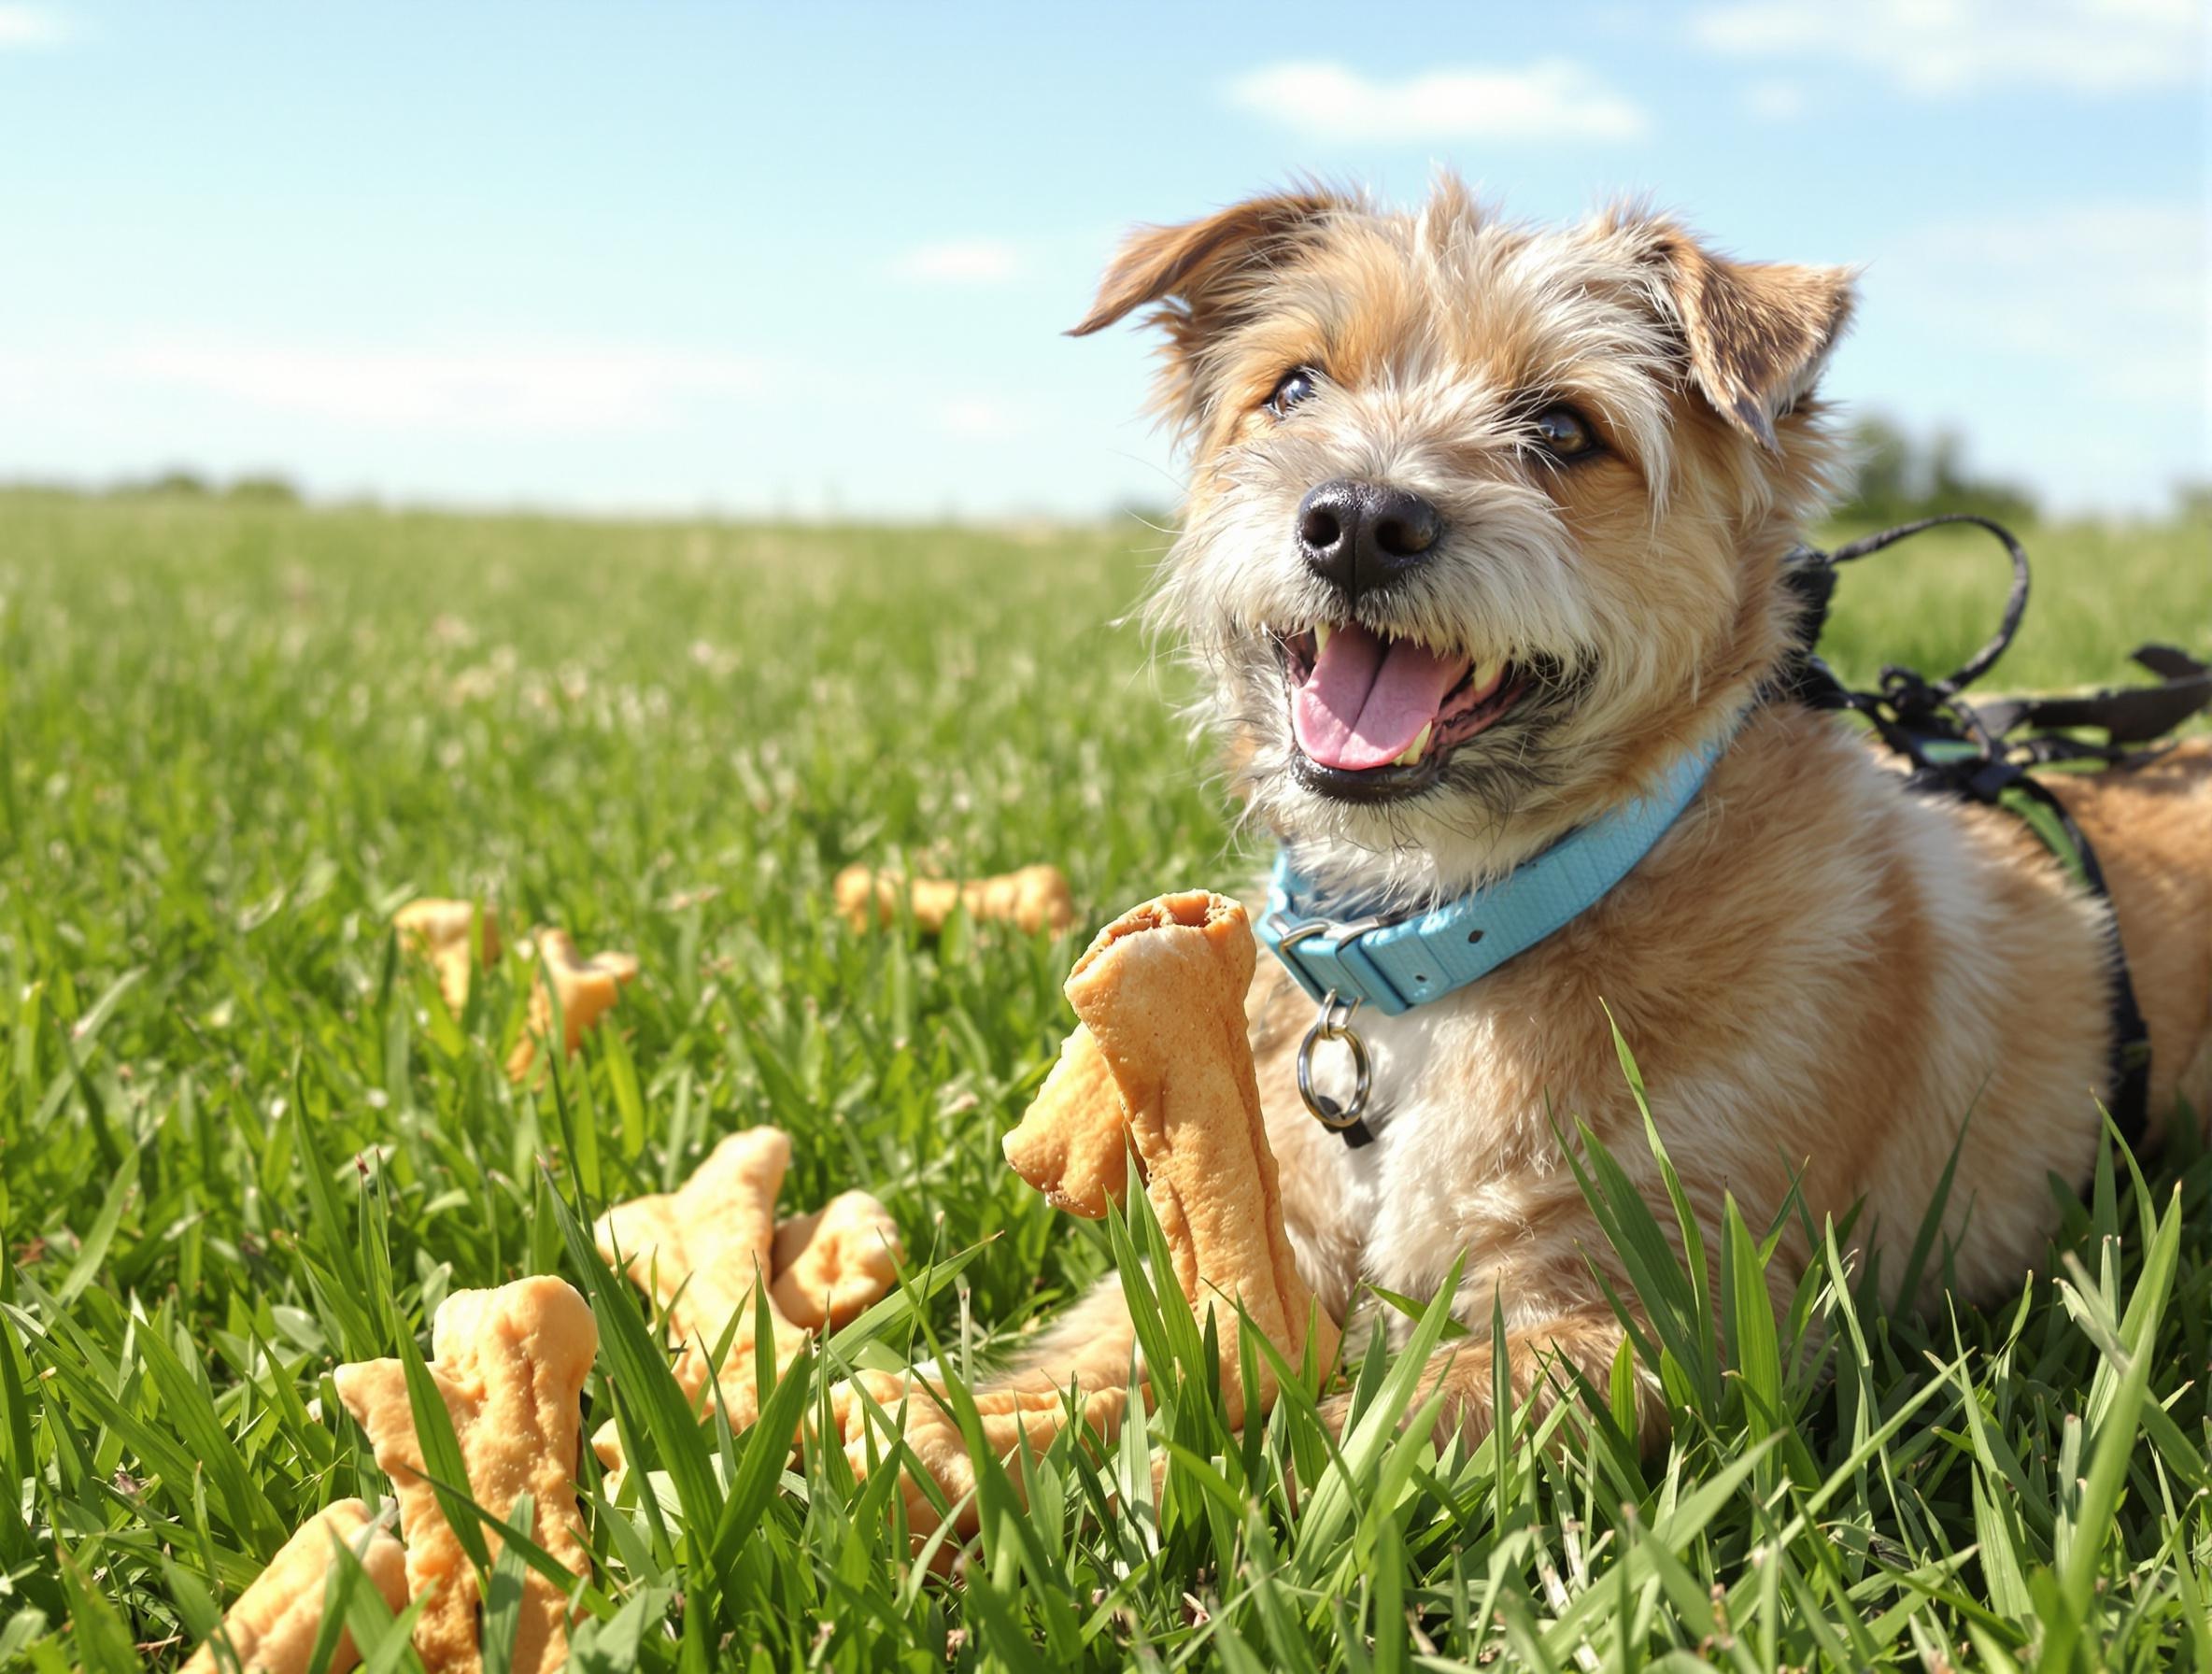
(1363, 535)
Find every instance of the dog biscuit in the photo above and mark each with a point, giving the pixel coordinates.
(1161, 994)
(272, 1628)
(440, 931)
(832, 1265)
(510, 1363)
(1011, 1419)
(1034, 899)
(1160, 1064)
(587, 989)
(1074, 1145)
(700, 1251)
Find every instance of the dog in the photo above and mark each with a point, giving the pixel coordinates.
(1484, 539)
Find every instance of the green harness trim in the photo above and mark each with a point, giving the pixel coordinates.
(2066, 844)
(2051, 829)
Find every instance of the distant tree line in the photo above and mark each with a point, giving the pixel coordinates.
(1891, 476)
(1897, 477)
(254, 489)
(259, 489)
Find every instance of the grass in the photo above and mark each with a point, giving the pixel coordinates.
(239, 1143)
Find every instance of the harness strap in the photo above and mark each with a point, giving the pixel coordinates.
(1979, 751)
(2130, 1049)
(2129, 714)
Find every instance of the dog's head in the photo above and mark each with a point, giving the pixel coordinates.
(1484, 522)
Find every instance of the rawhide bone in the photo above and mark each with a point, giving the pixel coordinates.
(1034, 899)
(273, 1626)
(1073, 1143)
(1011, 1417)
(510, 1366)
(587, 988)
(441, 932)
(702, 1250)
(833, 1265)
(1162, 1064)
(914, 1409)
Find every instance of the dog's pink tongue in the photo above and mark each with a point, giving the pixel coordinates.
(1368, 698)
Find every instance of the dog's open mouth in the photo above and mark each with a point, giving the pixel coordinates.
(1362, 703)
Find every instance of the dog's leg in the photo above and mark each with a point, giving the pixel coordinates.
(1538, 1357)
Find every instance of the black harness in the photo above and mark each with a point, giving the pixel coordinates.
(1988, 751)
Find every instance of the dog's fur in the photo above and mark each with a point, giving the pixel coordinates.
(1823, 975)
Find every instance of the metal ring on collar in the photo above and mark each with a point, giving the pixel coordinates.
(1334, 1023)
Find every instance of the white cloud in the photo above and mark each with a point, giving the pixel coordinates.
(1950, 46)
(1775, 101)
(33, 26)
(961, 261)
(532, 387)
(2115, 291)
(1552, 102)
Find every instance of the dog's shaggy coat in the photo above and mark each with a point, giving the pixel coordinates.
(1830, 982)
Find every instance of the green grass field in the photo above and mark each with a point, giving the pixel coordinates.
(239, 1143)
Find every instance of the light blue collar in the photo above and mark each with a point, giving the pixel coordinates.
(1394, 965)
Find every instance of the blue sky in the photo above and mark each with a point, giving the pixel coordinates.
(817, 259)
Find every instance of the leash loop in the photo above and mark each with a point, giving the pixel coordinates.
(1911, 685)
(1333, 1022)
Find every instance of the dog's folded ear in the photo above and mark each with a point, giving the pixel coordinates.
(1757, 332)
(1195, 261)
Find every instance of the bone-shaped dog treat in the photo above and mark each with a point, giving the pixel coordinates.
(1033, 899)
(1160, 1064)
(510, 1365)
(1161, 995)
(1009, 1418)
(441, 932)
(833, 1265)
(1074, 1145)
(700, 1251)
(272, 1628)
(586, 988)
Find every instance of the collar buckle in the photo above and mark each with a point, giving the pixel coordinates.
(1325, 959)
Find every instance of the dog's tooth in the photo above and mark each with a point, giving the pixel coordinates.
(1419, 744)
(1486, 672)
(1321, 633)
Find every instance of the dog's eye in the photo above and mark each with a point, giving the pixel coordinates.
(1298, 383)
(1564, 434)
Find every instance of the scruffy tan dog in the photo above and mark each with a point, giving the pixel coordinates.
(1483, 538)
